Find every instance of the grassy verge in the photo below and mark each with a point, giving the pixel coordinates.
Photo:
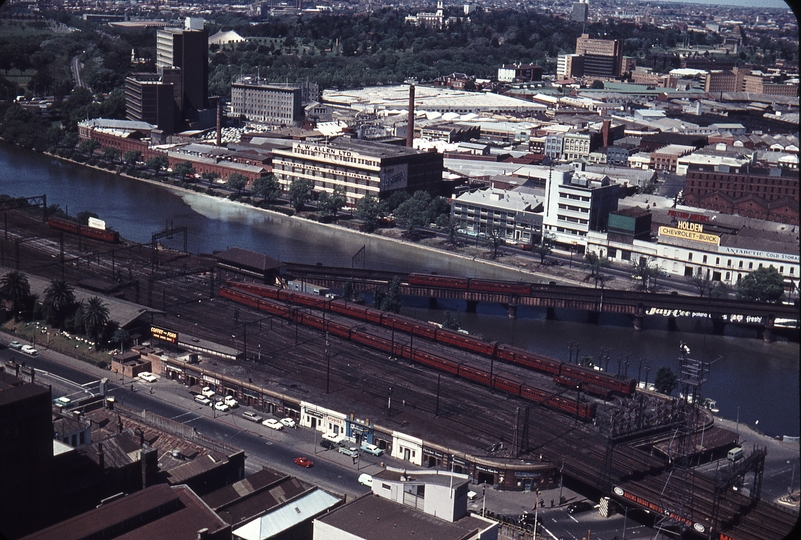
(47, 337)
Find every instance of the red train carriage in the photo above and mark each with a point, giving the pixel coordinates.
(506, 385)
(356, 311)
(433, 280)
(466, 342)
(589, 388)
(268, 291)
(371, 341)
(434, 361)
(509, 287)
(105, 235)
(474, 374)
(622, 385)
(408, 325)
(338, 329)
(526, 358)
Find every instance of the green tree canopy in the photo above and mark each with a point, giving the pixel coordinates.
(131, 157)
(544, 247)
(183, 170)
(414, 212)
(665, 381)
(300, 192)
(368, 209)
(59, 299)
(237, 181)
(94, 314)
(762, 285)
(332, 203)
(157, 163)
(15, 290)
(391, 302)
(267, 186)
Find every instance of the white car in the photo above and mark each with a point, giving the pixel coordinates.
(27, 349)
(231, 402)
(207, 392)
(273, 424)
(372, 449)
(253, 417)
(288, 422)
(203, 400)
(366, 480)
(148, 377)
(222, 407)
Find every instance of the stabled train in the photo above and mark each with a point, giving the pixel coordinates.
(597, 383)
(72, 227)
(580, 408)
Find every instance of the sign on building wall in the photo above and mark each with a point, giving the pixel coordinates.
(395, 177)
(163, 334)
(686, 234)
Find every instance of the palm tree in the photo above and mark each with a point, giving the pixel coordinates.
(59, 297)
(95, 316)
(15, 290)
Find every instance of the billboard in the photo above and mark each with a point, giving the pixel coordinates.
(685, 234)
(163, 334)
(395, 177)
(97, 223)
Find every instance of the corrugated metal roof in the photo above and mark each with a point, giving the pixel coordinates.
(294, 512)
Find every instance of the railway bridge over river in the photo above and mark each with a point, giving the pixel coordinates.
(635, 304)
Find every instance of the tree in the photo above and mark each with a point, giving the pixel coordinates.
(88, 147)
(15, 291)
(665, 380)
(300, 192)
(544, 248)
(646, 273)
(183, 170)
(59, 299)
(413, 213)
(111, 154)
(267, 187)
(449, 226)
(131, 157)
(391, 301)
(594, 263)
(157, 163)
(120, 336)
(702, 283)
(237, 181)
(368, 209)
(94, 315)
(333, 203)
(211, 176)
(452, 322)
(494, 241)
(762, 285)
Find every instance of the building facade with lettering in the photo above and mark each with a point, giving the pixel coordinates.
(359, 167)
(693, 242)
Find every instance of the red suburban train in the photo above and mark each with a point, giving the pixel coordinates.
(585, 411)
(72, 227)
(514, 355)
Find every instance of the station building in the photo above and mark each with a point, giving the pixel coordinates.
(360, 167)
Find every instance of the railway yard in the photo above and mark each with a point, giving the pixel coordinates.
(507, 409)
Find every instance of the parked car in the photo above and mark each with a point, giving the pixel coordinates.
(231, 402)
(27, 349)
(203, 400)
(15, 345)
(366, 480)
(206, 391)
(288, 422)
(273, 424)
(351, 451)
(581, 506)
(328, 445)
(148, 377)
(221, 406)
(303, 462)
(253, 417)
(372, 449)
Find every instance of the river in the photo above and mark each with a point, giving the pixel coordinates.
(751, 380)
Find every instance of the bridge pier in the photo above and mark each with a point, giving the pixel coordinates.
(672, 323)
(639, 315)
(511, 310)
(550, 314)
(432, 302)
(471, 306)
(767, 334)
(593, 316)
(718, 326)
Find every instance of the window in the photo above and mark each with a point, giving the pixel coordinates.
(689, 256)
(704, 259)
(750, 265)
(740, 265)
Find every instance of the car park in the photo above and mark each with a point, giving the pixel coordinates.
(581, 506)
(366, 480)
(253, 417)
(203, 400)
(27, 349)
(288, 422)
(351, 451)
(328, 445)
(372, 449)
(272, 423)
(15, 345)
(147, 377)
(221, 406)
(303, 462)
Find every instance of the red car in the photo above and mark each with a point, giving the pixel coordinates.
(303, 462)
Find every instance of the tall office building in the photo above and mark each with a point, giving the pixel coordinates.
(602, 57)
(188, 50)
(580, 11)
